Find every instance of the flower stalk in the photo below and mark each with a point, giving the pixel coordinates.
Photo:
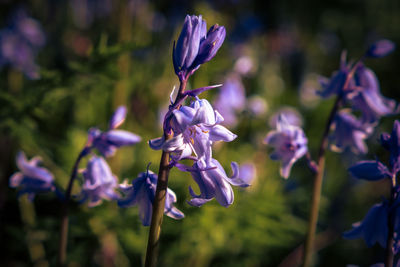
(62, 248)
(389, 255)
(162, 184)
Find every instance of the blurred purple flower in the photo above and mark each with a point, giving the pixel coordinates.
(31, 179)
(257, 105)
(99, 182)
(213, 182)
(335, 85)
(367, 97)
(107, 142)
(195, 128)
(84, 12)
(349, 132)
(142, 193)
(231, 100)
(195, 45)
(19, 43)
(292, 116)
(247, 172)
(380, 48)
(289, 142)
(373, 228)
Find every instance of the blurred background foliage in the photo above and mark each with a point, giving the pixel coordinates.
(104, 53)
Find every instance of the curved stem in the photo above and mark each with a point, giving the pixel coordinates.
(62, 248)
(316, 196)
(162, 184)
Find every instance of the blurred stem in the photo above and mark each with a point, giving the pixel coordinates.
(161, 191)
(316, 196)
(62, 248)
(389, 256)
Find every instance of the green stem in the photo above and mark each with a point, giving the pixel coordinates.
(316, 196)
(389, 256)
(62, 248)
(161, 191)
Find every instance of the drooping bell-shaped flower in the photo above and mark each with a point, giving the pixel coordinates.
(31, 179)
(367, 97)
(350, 132)
(371, 170)
(99, 183)
(195, 128)
(392, 143)
(289, 142)
(335, 84)
(195, 45)
(213, 182)
(141, 193)
(373, 228)
(107, 142)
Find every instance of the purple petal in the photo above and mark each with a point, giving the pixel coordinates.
(380, 48)
(118, 117)
(220, 133)
(369, 170)
(122, 138)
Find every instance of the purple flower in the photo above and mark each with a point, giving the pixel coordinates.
(195, 45)
(349, 132)
(142, 193)
(99, 182)
(370, 170)
(31, 179)
(231, 100)
(291, 115)
(213, 182)
(195, 128)
(108, 142)
(367, 97)
(20, 42)
(374, 227)
(335, 85)
(289, 143)
(392, 143)
(380, 48)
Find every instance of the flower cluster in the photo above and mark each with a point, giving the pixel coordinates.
(375, 226)
(20, 41)
(197, 126)
(358, 87)
(196, 45)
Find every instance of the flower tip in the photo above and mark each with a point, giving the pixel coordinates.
(380, 48)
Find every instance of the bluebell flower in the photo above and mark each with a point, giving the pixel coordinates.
(367, 97)
(350, 132)
(99, 183)
(374, 227)
(107, 142)
(195, 128)
(335, 85)
(142, 192)
(20, 41)
(31, 179)
(195, 45)
(380, 48)
(392, 143)
(371, 170)
(213, 182)
(231, 100)
(292, 116)
(289, 142)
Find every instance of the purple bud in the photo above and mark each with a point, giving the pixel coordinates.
(380, 48)
(118, 117)
(369, 170)
(210, 45)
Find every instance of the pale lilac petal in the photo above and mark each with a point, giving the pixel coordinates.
(220, 133)
(121, 138)
(118, 117)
